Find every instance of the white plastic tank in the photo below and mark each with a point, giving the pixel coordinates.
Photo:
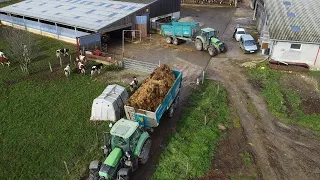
(109, 106)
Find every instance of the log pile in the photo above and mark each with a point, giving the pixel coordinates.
(153, 90)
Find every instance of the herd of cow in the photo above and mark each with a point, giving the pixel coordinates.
(81, 61)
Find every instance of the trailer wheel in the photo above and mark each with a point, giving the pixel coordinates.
(171, 111)
(176, 102)
(199, 45)
(212, 51)
(175, 41)
(168, 40)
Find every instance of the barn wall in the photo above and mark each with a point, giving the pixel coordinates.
(61, 33)
(162, 7)
(308, 53)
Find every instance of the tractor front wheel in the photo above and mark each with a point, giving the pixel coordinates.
(144, 155)
(212, 51)
(168, 40)
(224, 48)
(199, 45)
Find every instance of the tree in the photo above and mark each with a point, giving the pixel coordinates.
(23, 47)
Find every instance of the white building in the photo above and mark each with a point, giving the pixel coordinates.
(290, 30)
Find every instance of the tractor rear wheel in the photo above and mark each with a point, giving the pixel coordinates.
(175, 41)
(224, 48)
(124, 178)
(94, 174)
(168, 40)
(212, 51)
(198, 44)
(145, 150)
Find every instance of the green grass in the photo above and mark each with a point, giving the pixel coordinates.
(277, 97)
(246, 157)
(190, 151)
(7, 3)
(44, 118)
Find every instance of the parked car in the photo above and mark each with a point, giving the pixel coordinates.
(248, 44)
(238, 32)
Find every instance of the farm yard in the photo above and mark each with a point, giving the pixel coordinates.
(246, 122)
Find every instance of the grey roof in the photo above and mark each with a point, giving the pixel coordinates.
(294, 20)
(90, 14)
(138, 1)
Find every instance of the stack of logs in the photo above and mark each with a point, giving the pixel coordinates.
(153, 90)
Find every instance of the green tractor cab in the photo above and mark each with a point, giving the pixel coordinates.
(128, 147)
(208, 40)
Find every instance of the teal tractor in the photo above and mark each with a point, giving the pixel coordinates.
(128, 146)
(208, 40)
(205, 39)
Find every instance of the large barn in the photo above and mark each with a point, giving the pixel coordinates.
(290, 30)
(68, 19)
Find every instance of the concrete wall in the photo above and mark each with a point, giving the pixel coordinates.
(307, 54)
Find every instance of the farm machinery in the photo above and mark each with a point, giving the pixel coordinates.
(204, 39)
(129, 145)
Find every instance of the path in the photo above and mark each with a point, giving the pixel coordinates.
(281, 152)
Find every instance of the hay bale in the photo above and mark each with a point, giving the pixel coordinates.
(153, 90)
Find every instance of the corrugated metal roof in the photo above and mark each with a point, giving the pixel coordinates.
(91, 14)
(294, 20)
(138, 1)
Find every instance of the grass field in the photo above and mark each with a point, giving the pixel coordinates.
(44, 118)
(189, 152)
(284, 102)
(7, 3)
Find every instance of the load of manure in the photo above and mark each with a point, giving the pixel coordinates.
(153, 90)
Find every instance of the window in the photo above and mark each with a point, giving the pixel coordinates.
(295, 28)
(287, 3)
(249, 43)
(295, 46)
(290, 14)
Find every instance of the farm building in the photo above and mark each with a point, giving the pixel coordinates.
(68, 19)
(290, 30)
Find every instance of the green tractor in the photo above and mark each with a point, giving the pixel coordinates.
(128, 146)
(208, 40)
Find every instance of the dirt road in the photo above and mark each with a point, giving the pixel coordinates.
(281, 152)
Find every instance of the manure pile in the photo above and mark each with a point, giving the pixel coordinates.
(153, 90)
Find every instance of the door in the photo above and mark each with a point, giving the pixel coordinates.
(240, 43)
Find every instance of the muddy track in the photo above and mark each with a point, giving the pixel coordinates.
(281, 152)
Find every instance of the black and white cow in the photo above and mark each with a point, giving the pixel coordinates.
(4, 59)
(67, 70)
(64, 52)
(96, 68)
